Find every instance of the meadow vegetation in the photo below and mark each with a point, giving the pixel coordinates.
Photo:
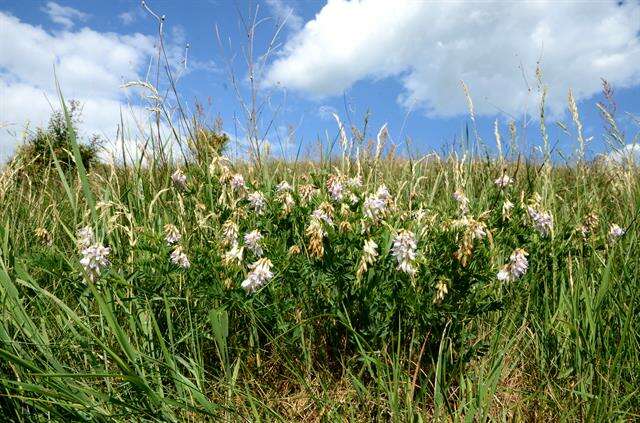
(362, 286)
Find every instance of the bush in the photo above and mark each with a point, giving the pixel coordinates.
(36, 153)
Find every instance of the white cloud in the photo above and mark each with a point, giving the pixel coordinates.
(630, 153)
(431, 46)
(127, 18)
(90, 67)
(285, 14)
(64, 15)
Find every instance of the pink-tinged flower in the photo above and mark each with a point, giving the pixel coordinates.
(252, 241)
(615, 232)
(179, 258)
(94, 259)
(516, 268)
(542, 221)
(257, 202)
(237, 182)
(171, 234)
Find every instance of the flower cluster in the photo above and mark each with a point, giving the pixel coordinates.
(516, 267)
(375, 205)
(94, 259)
(85, 237)
(237, 183)
(615, 232)
(369, 255)
(252, 241)
(179, 258)
(257, 201)
(404, 251)
(542, 221)
(171, 234)
(503, 181)
(260, 273)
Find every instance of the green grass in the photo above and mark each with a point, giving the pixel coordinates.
(148, 341)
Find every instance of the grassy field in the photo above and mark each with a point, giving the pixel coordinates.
(375, 289)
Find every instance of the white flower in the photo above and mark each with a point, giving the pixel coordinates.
(404, 251)
(257, 201)
(259, 275)
(463, 201)
(283, 187)
(516, 268)
(94, 259)
(374, 207)
(503, 181)
(234, 255)
(179, 179)
(615, 231)
(252, 241)
(85, 237)
(542, 221)
(354, 183)
(383, 193)
(171, 234)
(237, 182)
(179, 258)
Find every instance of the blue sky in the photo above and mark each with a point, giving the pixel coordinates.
(401, 62)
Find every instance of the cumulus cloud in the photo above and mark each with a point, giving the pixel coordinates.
(64, 15)
(493, 46)
(90, 66)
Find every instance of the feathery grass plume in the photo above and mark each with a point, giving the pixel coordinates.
(575, 116)
(179, 258)
(257, 202)
(253, 242)
(94, 259)
(516, 268)
(260, 273)
(44, 237)
(615, 232)
(179, 179)
(171, 234)
(404, 251)
(368, 258)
